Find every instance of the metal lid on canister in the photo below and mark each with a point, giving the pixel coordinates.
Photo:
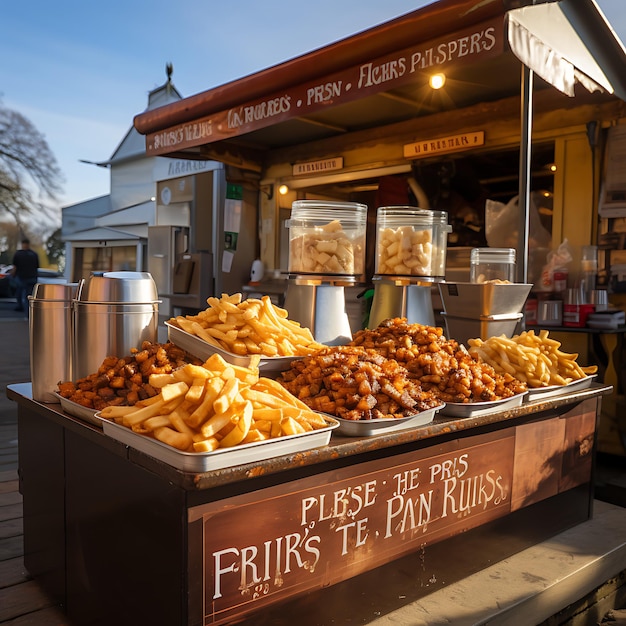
(54, 291)
(118, 287)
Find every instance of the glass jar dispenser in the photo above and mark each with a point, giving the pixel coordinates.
(411, 242)
(492, 264)
(327, 238)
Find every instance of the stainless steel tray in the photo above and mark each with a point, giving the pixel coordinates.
(367, 428)
(203, 350)
(540, 393)
(474, 409)
(471, 300)
(78, 410)
(224, 457)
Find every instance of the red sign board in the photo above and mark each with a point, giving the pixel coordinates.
(394, 70)
(266, 546)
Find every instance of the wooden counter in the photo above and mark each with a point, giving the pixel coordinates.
(114, 533)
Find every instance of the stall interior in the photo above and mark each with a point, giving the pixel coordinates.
(471, 188)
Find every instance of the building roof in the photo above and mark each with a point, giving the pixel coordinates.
(133, 144)
(379, 77)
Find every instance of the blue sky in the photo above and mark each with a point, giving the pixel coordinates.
(80, 71)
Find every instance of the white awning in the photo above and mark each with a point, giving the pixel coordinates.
(111, 236)
(569, 42)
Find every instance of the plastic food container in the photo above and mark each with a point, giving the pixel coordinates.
(411, 242)
(327, 238)
(550, 313)
(497, 264)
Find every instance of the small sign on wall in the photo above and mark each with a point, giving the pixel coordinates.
(441, 145)
(318, 167)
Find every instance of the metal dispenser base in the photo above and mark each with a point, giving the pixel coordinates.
(395, 298)
(322, 308)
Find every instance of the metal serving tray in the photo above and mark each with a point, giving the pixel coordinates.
(367, 428)
(540, 393)
(78, 410)
(203, 350)
(471, 300)
(224, 457)
(474, 409)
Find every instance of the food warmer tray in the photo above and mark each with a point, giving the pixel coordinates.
(224, 457)
(475, 409)
(540, 393)
(78, 410)
(367, 428)
(203, 350)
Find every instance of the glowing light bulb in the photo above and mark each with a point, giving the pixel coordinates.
(437, 81)
(283, 190)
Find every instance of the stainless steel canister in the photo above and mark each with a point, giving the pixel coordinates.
(51, 338)
(113, 313)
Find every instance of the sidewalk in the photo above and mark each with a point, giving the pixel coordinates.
(14, 368)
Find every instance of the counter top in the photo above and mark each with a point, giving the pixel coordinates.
(340, 447)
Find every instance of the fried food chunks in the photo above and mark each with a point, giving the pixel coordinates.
(356, 383)
(441, 365)
(124, 381)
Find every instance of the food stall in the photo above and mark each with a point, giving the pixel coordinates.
(113, 532)
(125, 522)
(359, 121)
(121, 528)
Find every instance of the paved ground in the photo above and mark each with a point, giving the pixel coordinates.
(14, 368)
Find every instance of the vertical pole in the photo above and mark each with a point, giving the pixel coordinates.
(524, 173)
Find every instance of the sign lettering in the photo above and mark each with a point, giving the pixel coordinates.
(356, 82)
(455, 143)
(315, 167)
(258, 548)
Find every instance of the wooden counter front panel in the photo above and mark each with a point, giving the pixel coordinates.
(263, 547)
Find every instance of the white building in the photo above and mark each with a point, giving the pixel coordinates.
(110, 232)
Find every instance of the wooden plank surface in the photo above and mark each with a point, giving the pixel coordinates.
(22, 602)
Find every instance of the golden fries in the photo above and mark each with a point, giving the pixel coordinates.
(217, 405)
(248, 327)
(534, 359)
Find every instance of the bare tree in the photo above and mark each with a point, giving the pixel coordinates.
(27, 165)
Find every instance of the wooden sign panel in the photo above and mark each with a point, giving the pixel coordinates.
(258, 548)
(393, 70)
(443, 145)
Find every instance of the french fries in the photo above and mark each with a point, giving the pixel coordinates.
(248, 327)
(534, 359)
(216, 405)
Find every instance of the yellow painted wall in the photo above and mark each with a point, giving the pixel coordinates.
(574, 216)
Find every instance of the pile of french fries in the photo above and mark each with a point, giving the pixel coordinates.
(201, 408)
(535, 359)
(248, 327)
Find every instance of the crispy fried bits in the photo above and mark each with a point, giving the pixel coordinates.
(442, 366)
(355, 383)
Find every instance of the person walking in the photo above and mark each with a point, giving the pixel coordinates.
(25, 266)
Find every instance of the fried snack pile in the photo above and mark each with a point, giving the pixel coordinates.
(326, 250)
(440, 365)
(405, 250)
(200, 408)
(535, 359)
(355, 383)
(248, 327)
(125, 381)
